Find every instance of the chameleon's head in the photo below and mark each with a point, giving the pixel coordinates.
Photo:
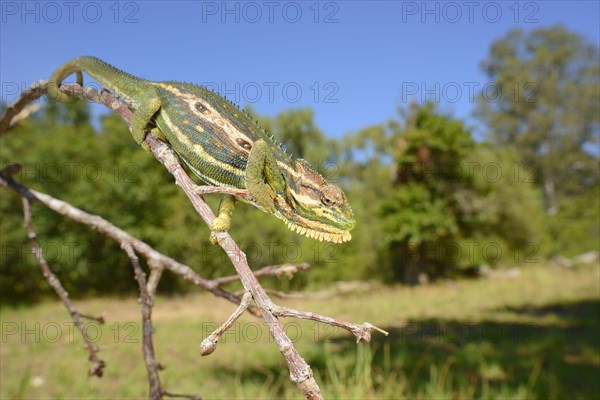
(313, 207)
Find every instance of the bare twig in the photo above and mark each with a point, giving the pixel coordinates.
(285, 295)
(156, 271)
(17, 111)
(283, 269)
(181, 396)
(146, 300)
(99, 319)
(98, 365)
(362, 332)
(209, 344)
(223, 190)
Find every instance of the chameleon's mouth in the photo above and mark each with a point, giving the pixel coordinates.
(313, 229)
(320, 235)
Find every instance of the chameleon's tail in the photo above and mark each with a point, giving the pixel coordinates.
(123, 84)
(58, 76)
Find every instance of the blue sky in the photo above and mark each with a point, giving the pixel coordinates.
(353, 62)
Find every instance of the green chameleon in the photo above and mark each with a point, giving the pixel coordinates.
(223, 146)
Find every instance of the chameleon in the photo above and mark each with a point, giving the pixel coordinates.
(223, 146)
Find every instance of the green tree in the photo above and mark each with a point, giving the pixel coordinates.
(101, 171)
(547, 106)
(446, 207)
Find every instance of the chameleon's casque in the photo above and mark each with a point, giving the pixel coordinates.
(223, 146)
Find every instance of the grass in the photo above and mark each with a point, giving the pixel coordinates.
(537, 336)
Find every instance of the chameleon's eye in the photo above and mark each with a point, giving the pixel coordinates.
(244, 144)
(330, 196)
(326, 201)
(200, 107)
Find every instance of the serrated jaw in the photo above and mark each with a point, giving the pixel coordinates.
(320, 235)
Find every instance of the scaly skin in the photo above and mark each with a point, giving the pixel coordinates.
(223, 146)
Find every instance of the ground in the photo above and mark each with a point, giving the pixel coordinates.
(535, 335)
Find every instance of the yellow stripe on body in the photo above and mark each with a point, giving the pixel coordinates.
(211, 116)
(199, 150)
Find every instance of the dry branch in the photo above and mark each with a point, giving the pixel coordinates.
(209, 344)
(361, 332)
(277, 270)
(146, 300)
(300, 371)
(18, 110)
(98, 365)
(123, 238)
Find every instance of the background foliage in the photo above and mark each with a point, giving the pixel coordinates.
(430, 201)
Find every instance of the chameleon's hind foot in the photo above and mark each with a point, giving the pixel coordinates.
(223, 221)
(219, 224)
(143, 115)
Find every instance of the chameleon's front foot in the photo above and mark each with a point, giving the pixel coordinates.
(262, 194)
(223, 221)
(263, 177)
